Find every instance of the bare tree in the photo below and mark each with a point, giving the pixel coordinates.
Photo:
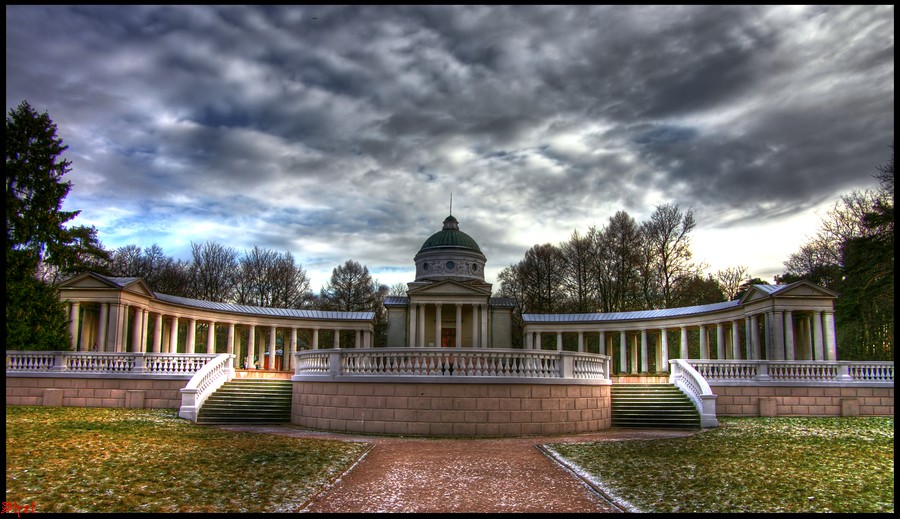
(577, 255)
(213, 271)
(667, 232)
(542, 275)
(730, 280)
(271, 279)
(350, 289)
(618, 250)
(398, 289)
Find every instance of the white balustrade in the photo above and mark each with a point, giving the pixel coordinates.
(452, 362)
(105, 362)
(820, 372)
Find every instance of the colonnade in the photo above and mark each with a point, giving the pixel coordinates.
(122, 327)
(770, 335)
(426, 324)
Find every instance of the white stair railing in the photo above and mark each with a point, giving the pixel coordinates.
(692, 383)
(204, 383)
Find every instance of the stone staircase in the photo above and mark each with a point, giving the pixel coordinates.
(248, 401)
(660, 406)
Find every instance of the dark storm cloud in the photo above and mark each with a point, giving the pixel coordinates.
(299, 127)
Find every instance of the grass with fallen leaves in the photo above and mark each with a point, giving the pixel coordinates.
(780, 464)
(69, 459)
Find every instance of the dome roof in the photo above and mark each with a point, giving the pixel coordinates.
(450, 236)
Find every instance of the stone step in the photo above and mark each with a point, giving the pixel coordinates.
(257, 401)
(652, 405)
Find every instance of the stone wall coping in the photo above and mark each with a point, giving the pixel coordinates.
(413, 379)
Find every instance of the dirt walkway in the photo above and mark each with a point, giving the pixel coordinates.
(464, 475)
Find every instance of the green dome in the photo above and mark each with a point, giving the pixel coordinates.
(450, 236)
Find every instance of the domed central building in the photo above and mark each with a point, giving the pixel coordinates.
(449, 304)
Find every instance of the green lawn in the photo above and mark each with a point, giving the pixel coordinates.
(750, 465)
(67, 459)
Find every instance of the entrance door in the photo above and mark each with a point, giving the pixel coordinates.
(448, 337)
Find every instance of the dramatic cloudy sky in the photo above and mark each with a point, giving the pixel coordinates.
(340, 133)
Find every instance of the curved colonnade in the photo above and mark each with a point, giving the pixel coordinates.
(110, 314)
(780, 322)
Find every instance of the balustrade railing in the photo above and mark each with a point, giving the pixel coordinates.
(693, 384)
(204, 383)
(752, 371)
(81, 362)
(452, 362)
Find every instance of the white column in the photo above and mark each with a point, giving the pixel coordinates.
(191, 346)
(789, 353)
(645, 360)
(337, 339)
(315, 338)
(437, 325)
(260, 349)
(145, 328)
(634, 354)
(289, 360)
(121, 343)
(720, 341)
(484, 326)
(601, 343)
(581, 342)
(136, 330)
(272, 332)
(539, 342)
(420, 326)
(367, 339)
(74, 318)
(173, 336)
(735, 340)
(458, 325)
(211, 337)
(623, 359)
(749, 339)
(558, 341)
(357, 339)
(101, 326)
(830, 336)
(411, 317)
(157, 333)
(229, 344)
(755, 346)
(475, 327)
(251, 345)
(664, 351)
(777, 335)
(704, 346)
(818, 338)
(112, 328)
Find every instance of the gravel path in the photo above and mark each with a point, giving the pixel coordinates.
(459, 475)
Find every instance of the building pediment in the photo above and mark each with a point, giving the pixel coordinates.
(93, 281)
(798, 289)
(449, 288)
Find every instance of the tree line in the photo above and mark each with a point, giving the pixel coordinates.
(621, 266)
(853, 254)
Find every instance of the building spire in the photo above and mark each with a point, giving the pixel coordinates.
(451, 204)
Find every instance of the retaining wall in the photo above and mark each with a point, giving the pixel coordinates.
(451, 409)
(94, 392)
(803, 401)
